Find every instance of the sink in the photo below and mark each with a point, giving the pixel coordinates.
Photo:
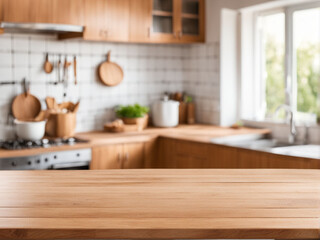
(307, 151)
(265, 144)
(252, 141)
(255, 142)
(237, 138)
(261, 142)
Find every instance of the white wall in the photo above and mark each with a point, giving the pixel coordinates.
(214, 112)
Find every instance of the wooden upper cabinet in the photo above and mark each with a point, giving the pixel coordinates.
(17, 10)
(140, 20)
(44, 11)
(1, 10)
(177, 21)
(40, 11)
(191, 20)
(67, 11)
(164, 21)
(107, 20)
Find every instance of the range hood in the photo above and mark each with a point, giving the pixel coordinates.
(47, 28)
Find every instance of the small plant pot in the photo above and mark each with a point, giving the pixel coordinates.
(142, 122)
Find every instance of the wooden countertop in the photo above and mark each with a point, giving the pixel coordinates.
(198, 133)
(160, 204)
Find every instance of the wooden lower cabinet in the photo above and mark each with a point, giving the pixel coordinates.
(118, 156)
(181, 154)
(221, 157)
(174, 153)
(257, 159)
(106, 157)
(133, 156)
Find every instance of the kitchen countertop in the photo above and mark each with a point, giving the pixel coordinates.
(198, 133)
(160, 204)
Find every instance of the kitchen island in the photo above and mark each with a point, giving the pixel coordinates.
(160, 204)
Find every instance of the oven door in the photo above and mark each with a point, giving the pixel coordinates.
(71, 166)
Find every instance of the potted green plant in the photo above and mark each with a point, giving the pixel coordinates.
(134, 114)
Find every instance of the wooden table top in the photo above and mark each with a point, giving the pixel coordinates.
(160, 204)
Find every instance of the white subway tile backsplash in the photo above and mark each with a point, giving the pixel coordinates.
(21, 60)
(37, 75)
(37, 45)
(85, 47)
(6, 74)
(20, 73)
(5, 43)
(21, 43)
(149, 71)
(6, 95)
(54, 46)
(5, 59)
(97, 48)
(84, 61)
(72, 47)
(36, 59)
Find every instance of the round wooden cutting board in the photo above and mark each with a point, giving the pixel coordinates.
(110, 73)
(26, 107)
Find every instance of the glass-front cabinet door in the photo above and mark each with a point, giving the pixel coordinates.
(177, 20)
(163, 20)
(192, 20)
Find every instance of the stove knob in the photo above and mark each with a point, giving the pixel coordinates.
(13, 164)
(29, 162)
(38, 161)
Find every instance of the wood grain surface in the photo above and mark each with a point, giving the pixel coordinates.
(160, 204)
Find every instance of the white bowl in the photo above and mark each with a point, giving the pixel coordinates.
(30, 130)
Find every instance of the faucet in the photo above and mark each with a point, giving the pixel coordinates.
(293, 131)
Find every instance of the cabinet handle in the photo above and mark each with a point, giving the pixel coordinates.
(180, 34)
(126, 158)
(149, 32)
(119, 158)
(106, 33)
(103, 33)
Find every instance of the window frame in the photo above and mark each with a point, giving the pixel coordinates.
(290, 78)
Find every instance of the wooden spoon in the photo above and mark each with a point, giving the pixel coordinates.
(75, 70)
(51, 103)
(76, 107)
(48, 67)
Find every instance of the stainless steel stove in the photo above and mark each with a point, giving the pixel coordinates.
(43, 143)
(78, 159)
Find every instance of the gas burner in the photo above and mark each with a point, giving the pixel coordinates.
(43, 143)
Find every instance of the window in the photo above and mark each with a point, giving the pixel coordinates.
(288, 53)
(272, 40)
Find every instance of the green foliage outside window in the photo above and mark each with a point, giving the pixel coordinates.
(275, 70)
(308, 77)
